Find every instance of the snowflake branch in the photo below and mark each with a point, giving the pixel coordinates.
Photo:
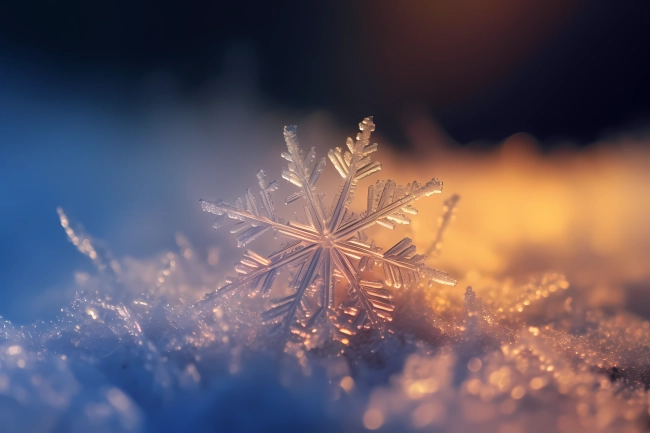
(299, 170)
(327, 290)
(432, 187)
(292, 229)
(402, 258)
(351, 248)
(345, 266)
(449, 207)
(352, 166)
(247, 278)
(290, 306)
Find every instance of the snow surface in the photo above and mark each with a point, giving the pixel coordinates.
(134, 355)
(137, 350)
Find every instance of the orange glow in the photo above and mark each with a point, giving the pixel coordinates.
(447, 51)
(581, 213)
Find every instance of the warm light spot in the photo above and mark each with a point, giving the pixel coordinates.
(20, 363)
(347, 383)
(92, 313)
(373, 419)
(14, 350)
(537, 383)
(427, 413)
(474, 364)
(415, 390)
(474, 386)
(421, 387)
(430, 385)
(517, 392)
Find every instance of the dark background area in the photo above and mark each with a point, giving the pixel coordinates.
(126, 112)
(565, 69)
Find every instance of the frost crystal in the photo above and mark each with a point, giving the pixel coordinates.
(330, 245)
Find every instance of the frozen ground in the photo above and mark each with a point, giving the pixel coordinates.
(134, 351)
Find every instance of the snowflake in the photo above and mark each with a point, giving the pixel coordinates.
(330, 245)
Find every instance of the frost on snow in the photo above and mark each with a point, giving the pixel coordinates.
(135, 350)
(330, 244)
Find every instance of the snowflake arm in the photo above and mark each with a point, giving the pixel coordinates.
(289, 305)
(327, 289)
(359, 305)
(263, 273)
(254, 223)
(402, 267)
(387, 210)
(330, 246)
(352, 165)
(298, 173)
(448, 209)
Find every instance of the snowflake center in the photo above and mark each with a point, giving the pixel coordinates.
(327, 239)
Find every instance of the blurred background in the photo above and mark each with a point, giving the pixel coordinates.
(125, 113)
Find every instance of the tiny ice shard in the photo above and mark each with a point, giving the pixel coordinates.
(448, 214)
(330, 244)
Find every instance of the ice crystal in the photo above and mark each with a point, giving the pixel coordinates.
(448, 214)
(331, 244)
